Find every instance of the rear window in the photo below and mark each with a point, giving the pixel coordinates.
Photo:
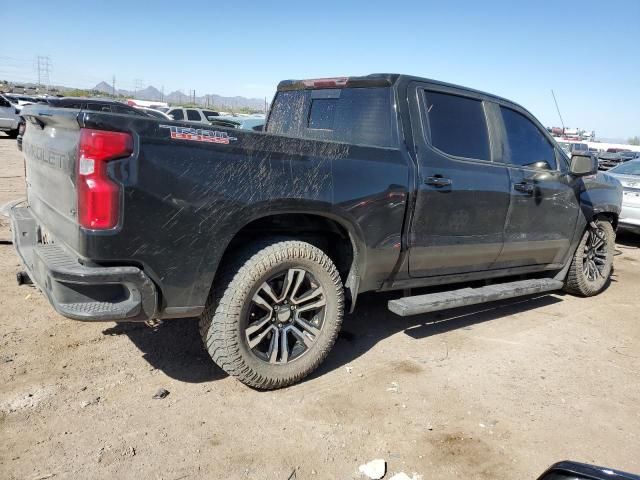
(352, 115)
(458, 125)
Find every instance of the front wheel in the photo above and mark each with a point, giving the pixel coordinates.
(274, 314)
(592, 261)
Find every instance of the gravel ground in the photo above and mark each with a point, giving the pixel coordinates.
(496, 391)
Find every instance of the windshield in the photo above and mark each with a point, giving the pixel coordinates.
(629, 168)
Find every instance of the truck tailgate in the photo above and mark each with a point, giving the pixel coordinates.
(50, 146)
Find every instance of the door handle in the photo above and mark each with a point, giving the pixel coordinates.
(438, 182)
(524, 187)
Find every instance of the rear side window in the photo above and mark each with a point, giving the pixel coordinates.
(193, 115)
(458, 125)
(526, 145)
(209, 113)
(177, 114)
(352, 115)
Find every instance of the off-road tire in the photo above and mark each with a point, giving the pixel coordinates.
(223, 320)
(577, 282)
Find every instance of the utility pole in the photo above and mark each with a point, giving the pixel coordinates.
(43, 65)
(162, 93)
(137, 85)
(113, 85)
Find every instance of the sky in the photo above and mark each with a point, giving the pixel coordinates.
(587, 51)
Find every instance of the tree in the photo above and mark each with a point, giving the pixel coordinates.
(634, 140)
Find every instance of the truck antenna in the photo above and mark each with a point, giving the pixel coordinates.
(558, 109)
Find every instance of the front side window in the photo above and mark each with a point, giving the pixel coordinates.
(193, 115)
(526, 145)
(458, 125)
(177, 114)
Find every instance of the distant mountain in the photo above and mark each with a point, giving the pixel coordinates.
(104, 87)
(178, 97)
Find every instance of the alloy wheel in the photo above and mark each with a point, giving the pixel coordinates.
(286, 316)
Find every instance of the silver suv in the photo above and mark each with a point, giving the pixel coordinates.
(192, 114)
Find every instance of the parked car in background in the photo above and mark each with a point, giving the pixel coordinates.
(88, 104)
(243, 123)
(199, 115)
(628, 174)
(21, 100)
(607, 160)
(9, 117)
(572, 147)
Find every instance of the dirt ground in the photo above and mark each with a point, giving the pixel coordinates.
(496, 391)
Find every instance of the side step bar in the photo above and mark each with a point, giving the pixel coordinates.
(433, 302)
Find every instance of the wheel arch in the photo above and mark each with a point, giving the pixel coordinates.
(300, 220)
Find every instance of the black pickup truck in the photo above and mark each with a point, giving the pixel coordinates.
(381, 182)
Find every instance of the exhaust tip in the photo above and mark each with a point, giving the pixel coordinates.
(23, 278)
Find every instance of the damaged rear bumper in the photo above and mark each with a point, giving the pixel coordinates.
(78, 291)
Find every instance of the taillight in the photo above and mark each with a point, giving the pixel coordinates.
(98, 195)
(336, 82)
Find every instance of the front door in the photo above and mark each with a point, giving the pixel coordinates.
(544, 205)
(462, 196)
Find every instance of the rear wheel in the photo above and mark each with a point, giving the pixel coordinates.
(273, 316)
(593, 260)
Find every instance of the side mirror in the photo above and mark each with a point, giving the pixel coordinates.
(583, 164)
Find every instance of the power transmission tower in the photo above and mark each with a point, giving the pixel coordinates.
(43, 65)
(113, 85)
(137, 85)
(162, 94)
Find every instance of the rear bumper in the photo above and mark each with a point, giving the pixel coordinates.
(78, 291)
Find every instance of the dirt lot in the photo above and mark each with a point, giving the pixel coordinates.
(498, 391)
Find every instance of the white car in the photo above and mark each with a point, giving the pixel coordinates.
(628, 173)
(192, 114)
(9, 117)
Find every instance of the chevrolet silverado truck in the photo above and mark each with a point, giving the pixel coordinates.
(372, 183)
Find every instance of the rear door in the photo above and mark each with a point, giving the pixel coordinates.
(463, 195)
(544, 206)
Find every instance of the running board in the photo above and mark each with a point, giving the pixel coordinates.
(432, 302)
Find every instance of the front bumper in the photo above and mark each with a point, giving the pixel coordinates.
(78, 291)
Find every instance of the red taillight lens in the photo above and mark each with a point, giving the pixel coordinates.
(98, 195)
